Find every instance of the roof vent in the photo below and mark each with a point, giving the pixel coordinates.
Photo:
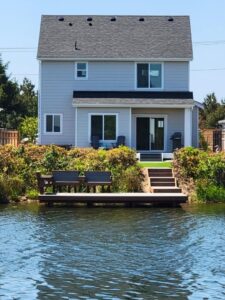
(113, 19)
(89, 19)
(141, 19)
(61, 19)
(170, 19)
(70, 24)
(90, 24)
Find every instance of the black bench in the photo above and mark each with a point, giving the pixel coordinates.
(65, 179)
(98, 178)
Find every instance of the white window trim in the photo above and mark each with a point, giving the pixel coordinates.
(165, 131)
(81, 78)
(102, 114)
(61, 124)
(149, 63)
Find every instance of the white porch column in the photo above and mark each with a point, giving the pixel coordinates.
(187, 127)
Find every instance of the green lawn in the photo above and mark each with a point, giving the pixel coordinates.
(158, 164)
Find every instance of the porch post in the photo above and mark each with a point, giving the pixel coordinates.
(187, 127)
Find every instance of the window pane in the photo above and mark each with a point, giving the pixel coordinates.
(81, 66)
(48, 123)
(142, 76)
(81, 70)
(96, 126)
(155, 75)
(81, 74)
(109, 127)
(56, 123)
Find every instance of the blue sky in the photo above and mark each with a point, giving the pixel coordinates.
(20, 23)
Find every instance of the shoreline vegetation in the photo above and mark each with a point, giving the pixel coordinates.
(201, 174)
(18, 167)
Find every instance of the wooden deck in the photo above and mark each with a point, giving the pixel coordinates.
(111, 198)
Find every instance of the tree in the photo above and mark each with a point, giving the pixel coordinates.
(28, 128)
(28, 99)
(16, 102)
(9, 92)
(213, 112)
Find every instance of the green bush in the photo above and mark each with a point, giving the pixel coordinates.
(209, 192)
(18, 167)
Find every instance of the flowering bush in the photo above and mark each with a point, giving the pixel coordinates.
(20, 164)
(206, 169)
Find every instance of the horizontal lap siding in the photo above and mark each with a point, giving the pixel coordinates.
(175, 122)
(176, 76)
(56, 97)
(83, 137)
(58, 83)
(111, 76)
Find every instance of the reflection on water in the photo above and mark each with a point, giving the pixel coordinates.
(120, 253)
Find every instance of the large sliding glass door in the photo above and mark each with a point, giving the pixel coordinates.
(150, 133)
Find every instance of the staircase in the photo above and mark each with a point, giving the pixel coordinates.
(163, 181)
(151, 157)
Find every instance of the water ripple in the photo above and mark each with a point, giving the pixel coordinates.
(69, 253)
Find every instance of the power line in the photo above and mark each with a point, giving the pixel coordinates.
(203, 70)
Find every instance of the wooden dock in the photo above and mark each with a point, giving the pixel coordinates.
(112, 198)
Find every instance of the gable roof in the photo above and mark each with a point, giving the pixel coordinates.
(127, 38)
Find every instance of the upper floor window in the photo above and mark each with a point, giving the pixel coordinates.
(53, 123)
(81, 70)
(149, 75)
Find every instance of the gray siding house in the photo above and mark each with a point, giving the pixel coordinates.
(112, 76)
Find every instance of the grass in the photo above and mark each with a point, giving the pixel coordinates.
(164, 164)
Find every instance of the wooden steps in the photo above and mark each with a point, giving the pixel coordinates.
(162, 181)
(165, 189)
(151, 157)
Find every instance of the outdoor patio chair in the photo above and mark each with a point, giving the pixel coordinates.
(95, 141)
(98, 178)
(120, 141)
(65, 179)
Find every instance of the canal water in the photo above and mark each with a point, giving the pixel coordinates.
(112, 253)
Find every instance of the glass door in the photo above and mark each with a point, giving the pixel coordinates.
(150, 134)
(143, 134)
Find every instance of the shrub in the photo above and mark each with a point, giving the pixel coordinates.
(28, 128)
(209, 192)
(12, 187)
(18, 167)
(128, 180)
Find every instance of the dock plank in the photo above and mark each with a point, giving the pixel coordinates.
(113, 198)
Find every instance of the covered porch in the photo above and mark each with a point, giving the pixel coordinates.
(147, 120)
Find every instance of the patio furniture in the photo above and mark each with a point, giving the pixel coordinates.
(120, 141)
(95, 141)
(44, 181)
(65, 179)
(98, 178)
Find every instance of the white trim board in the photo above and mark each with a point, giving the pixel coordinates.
(113, 59)
(103, 114)
(135, 116)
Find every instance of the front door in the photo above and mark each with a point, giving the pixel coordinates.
(150, 134)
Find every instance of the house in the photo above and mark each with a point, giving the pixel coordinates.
(110, 76)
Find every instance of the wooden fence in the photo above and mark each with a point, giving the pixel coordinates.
(215, 138)
(9, 137)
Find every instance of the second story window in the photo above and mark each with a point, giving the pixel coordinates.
(81, 70)
(149, 76)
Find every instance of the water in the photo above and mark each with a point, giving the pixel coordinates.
(112, 253)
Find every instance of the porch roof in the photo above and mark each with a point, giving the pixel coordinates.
(132, 102)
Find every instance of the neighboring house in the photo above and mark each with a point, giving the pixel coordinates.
(111, 76)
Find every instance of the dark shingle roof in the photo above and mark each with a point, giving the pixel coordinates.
(126, 38)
